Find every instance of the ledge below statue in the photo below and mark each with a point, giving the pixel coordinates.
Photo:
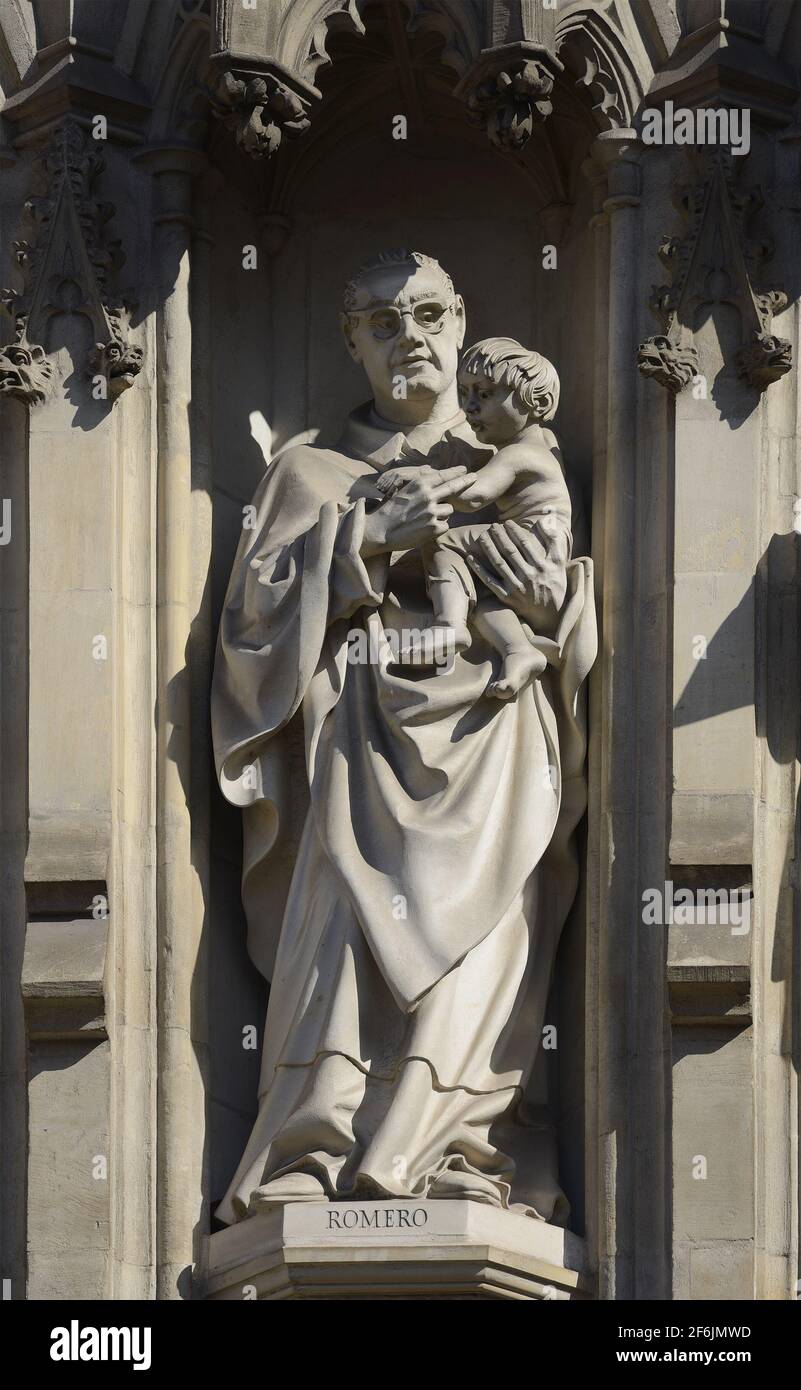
(395, 1249)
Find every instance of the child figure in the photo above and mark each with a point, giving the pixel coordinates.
(506, 392)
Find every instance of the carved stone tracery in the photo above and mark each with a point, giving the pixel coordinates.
(270, 93)
(715, 261)
(67, 267)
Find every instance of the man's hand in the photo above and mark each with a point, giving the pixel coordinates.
(523, 571)
(417, 513)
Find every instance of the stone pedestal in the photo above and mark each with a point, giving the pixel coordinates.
(395, 1249)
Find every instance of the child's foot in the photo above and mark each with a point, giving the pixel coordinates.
(519, 668)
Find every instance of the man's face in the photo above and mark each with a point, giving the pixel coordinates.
(407, 326)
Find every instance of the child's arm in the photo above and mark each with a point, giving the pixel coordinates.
(517, 463)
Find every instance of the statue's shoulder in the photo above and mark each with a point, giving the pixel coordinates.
(299, 456)
(311, 467)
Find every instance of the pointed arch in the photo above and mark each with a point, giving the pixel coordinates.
(608, 59)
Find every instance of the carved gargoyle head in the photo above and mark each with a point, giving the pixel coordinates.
(764, 359)
(25, 372)
(672, 365)
(120, 363)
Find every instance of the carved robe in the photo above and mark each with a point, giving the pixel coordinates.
(412, 957)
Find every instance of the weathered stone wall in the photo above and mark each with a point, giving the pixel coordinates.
(127, 1093)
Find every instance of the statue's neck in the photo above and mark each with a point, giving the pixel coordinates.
(419, 429)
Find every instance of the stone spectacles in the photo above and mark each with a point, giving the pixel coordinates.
(386, 321)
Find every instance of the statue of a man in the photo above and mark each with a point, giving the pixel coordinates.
(412, 955)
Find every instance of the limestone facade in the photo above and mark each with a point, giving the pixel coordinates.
(186, 187)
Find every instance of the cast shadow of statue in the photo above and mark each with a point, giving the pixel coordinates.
(778, 584)
(724, 673)
(734, 400)
(216, 862)
(69, 339)
(766, 673)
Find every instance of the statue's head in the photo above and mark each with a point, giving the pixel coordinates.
(404, 323)
(503, 387)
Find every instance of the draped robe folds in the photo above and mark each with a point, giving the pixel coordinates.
(412, 957)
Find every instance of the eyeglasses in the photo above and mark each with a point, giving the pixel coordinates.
(386, 322)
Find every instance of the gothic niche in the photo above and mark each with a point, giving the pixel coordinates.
(331, 175)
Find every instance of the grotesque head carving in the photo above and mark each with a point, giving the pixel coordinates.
(25, 372)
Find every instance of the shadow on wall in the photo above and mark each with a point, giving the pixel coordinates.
(734, 675)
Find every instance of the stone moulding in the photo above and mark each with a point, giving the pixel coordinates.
(608, 102)
(66, 268)
(396, 1249)
(715, 261)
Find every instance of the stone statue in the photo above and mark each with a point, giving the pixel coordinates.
(412, 952)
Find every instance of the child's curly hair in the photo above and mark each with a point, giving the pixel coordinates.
(531, 375)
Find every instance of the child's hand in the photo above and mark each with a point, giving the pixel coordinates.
(392, 479)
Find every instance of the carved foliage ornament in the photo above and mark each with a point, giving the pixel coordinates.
(259, 110)
(511, 102)
(66, 268)
(507, 89)
(715, 261)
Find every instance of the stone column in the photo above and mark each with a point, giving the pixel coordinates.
(181, 880)
(13, 833)
(599, 225)
(629, 771)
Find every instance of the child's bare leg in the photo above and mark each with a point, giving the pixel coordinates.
(501, 627)
(448, 596)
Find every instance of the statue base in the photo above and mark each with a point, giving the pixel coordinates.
(395, 1249)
